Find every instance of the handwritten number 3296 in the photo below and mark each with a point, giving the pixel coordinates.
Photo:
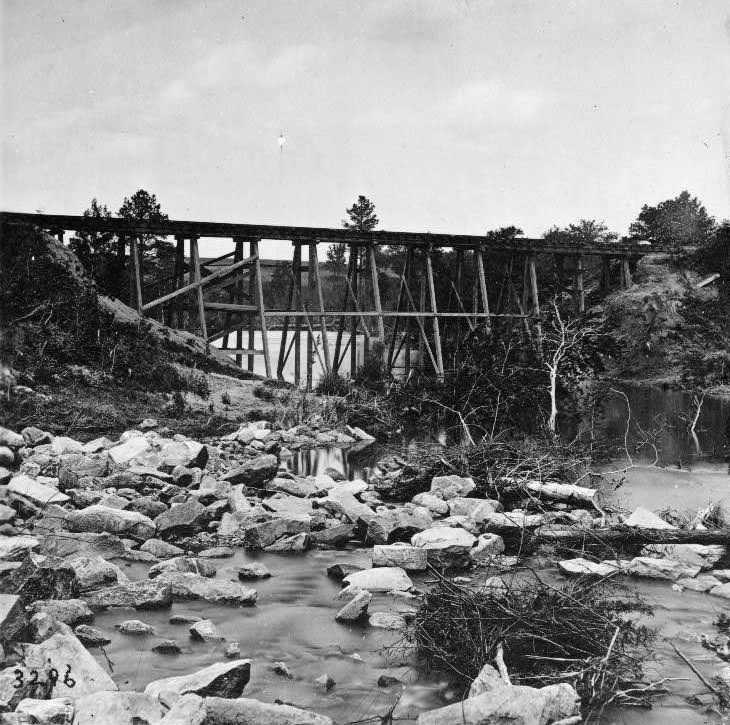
(52, 678)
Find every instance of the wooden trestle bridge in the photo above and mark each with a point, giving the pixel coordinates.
(237, 277)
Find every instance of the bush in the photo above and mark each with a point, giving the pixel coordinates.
(333, 384)
(584, 634)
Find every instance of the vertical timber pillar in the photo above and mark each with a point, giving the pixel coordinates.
(434, 310)
(535, 312)
(259, 296)
(317, 285)
(354, 254)
(376, 298)
(195, 262)
(626, 281)
(135, 274)
(578, 290)
(297, 272)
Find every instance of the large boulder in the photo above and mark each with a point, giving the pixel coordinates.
(72, 468)
(513, 705)
(184, 519)
(41, 577)
(186, 453)
(381, 579)
(62, 545)
(356, 609)
(161, 549)
(222, 679)
(220, 591)
(118, 708)
(341, 502)
(103, 519)
(145, 594)
(254, 472)
(585, 567)
(410, 558)
(446, 547)
(95, 571)
(184, 564)
(487, 547)
(435, 504)
(647, 566)
(47, 712)
(63, 650)
(14, 548)
(398, 525)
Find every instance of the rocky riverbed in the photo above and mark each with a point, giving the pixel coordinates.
(178, 581)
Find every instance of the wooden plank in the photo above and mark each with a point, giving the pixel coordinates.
(297, 276)
(135, 274)
(250, 295)
(261, 307)
(314, 271)
(535, 312)
(708, 280)
(242, 351)
(230, 306)
(354, 287)
(194, 285)
(579, 292)
(345, 301)
(626, 272)
(283, 351)
(436, 329)
(362, 314)
(195, 261)
(407, 333)
(482, 283)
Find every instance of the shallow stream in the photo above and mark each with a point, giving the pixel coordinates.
(293, 620)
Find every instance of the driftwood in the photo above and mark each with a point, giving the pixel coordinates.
(562, 491)
(631, 535)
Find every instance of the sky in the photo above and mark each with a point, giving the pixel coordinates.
(451, 116)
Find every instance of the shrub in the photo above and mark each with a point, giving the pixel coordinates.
(333, 384)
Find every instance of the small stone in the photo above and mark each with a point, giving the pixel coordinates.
(253, 570)
(339, 571)
(387, 620)
(281, 669)
(184, 619)
(356, 609)
(325, 682)
(90, 636)
(205, 631)
(167, 647)
(135, 626)
(217, 552)
(232, 651)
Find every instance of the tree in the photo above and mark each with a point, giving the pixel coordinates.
(337, 257)
(361, 215)
(144, 207)
(682, 221)
(504, 234)
(590, 231)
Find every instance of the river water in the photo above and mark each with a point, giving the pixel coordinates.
(293, 621)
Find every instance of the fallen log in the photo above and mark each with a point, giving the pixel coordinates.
(628, 535)
(563, 491)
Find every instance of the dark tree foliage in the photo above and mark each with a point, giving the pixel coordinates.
(682, 221)
(144, 207)
(361, 215)
(337, 257)
(503, 234)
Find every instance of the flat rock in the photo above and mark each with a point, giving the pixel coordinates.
(161, 549)
(40, 494)
(702, 555)
(127, 452)
(265, 533)
(253, 570)
(194, 586)
(103, 519)
(700, 584)
(117, 708)
(184, 564)
(95, 571)
(487, 547)
(14, 548)
(409, 558)
(646, 566)
(68, 611)
(225, 711)
(47, 712)
(644, 519)
(145, 594)
(387, 620)
(135, 626)
(90, 636)
(13, 618)
(381, 579)
(585, 567)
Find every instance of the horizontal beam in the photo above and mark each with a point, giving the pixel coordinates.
(194, 285)
(230, 306)
(240, 351)
(385, 313)
(314, 235)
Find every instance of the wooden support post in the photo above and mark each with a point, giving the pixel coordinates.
(177, 304)
(578, 291)
(195, 261)
(297, 272)
(535, 302)
(422, 338)
(307, 306)
(396, 322)
(259, 294)
(407, 333)
(317, 288)
(434, 308)
(283, 350)
(135, 274)
(342, 321)
(354, 250)
(237, 296)
(376, 298)
(626, 281)
(482, 286)
(457, 287)
(251, 322)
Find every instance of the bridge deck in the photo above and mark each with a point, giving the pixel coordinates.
(314, 235)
